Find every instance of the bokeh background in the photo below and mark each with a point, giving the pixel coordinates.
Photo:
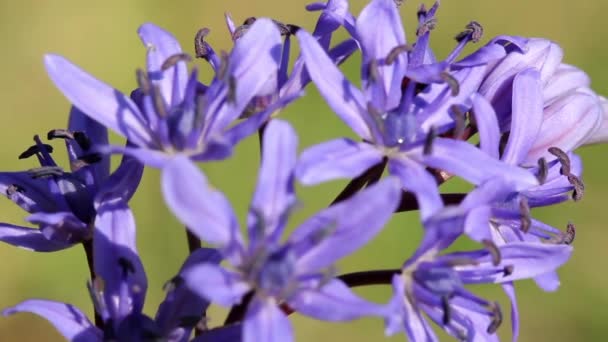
(101, 37)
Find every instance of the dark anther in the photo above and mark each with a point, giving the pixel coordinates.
(83, 140)
(496, 318)
(426, 26)
(249, 21)
(126, 265)
(85, 160)
(159, 103)
(543, 170)
(579, 187)
(143, 81)
(563, 159)
(293, 29)
(32, 150)
(395, 52)
(428, 141)
(372, 70)
(507, 270)
(451, 81)
(283, 29)
(524, 211)
(45, 171)
(13, 189)
(421, 11)
(473, 29)
(231, 89)
(447, 313)
(494, 251)
(460, 122)
(201, 49)
(173, 283)
(239, 32)
(570, 234)
(59, 134)
(223, 70)
(171, 61)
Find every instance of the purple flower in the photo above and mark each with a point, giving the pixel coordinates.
(394, 118)
(64, 204)
(432, 283)
(171, 112)
(298, 272)
(119, 290)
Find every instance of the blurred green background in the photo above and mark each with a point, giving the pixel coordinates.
(101, 37)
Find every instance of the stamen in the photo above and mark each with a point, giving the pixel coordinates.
(143, 81)
(283, 29)
(85, 160)
(395, 52)
(173, 60)
(570, 234)
(83, 140)
(508, 270)
(293, 29)
(543, 170)
(249, 21)
(451, 81)
(126, 265)
(461, 123)
(428, 141)
(13, 189)
(32, 150)
(426, 26)
(373, 71)
(158, 102)
(496, 318)
(563, 159)
(494, 251)
(447, 312)
(579, 187)
(45, 171)
(473, 30)
(59, 134)
(524, 210)
(201, 49)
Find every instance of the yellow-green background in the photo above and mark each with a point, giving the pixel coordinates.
(101, 37)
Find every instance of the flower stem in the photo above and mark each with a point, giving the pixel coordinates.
(88, 251)
(364, 278)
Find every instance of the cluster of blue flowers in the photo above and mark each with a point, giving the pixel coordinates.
(524, 110)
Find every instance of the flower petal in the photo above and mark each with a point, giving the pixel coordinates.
(67, 319)
(343, 97)
(215, 284)
(333, 302)
(29, 238)
(31, 194)
(509, 289)
(146, 156)
(416, 179)
(98, 100)
(266, 322)
(205, 211)
(526, 117)
(123, 182)
(97, 134)
(116, 260)
(161, 45)
(601, 133)
(343, 228)
(335, 159)
(62, 227)
(487, 124)
(466, 161)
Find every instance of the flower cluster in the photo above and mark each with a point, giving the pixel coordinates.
(505, 118)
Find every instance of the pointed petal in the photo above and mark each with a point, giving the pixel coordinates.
(180, 302)
(333, 302)
(526, 117)
(486, 54)
(343, 228)
(98, 100)
(122, 183)
(161, 45)
(600, 135)
(416, 179)
(116, 260)
(97, 134)
(274, 193)
(466, 161)
(253, 64)
(335, 159)
(215, 284)
(343, 97)
(29, 238)
(548, 282)
(266, 322)
(487, 124)
(509, 289)
(146, 156)
(205, 211)
(31, 194)
(67, 319)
